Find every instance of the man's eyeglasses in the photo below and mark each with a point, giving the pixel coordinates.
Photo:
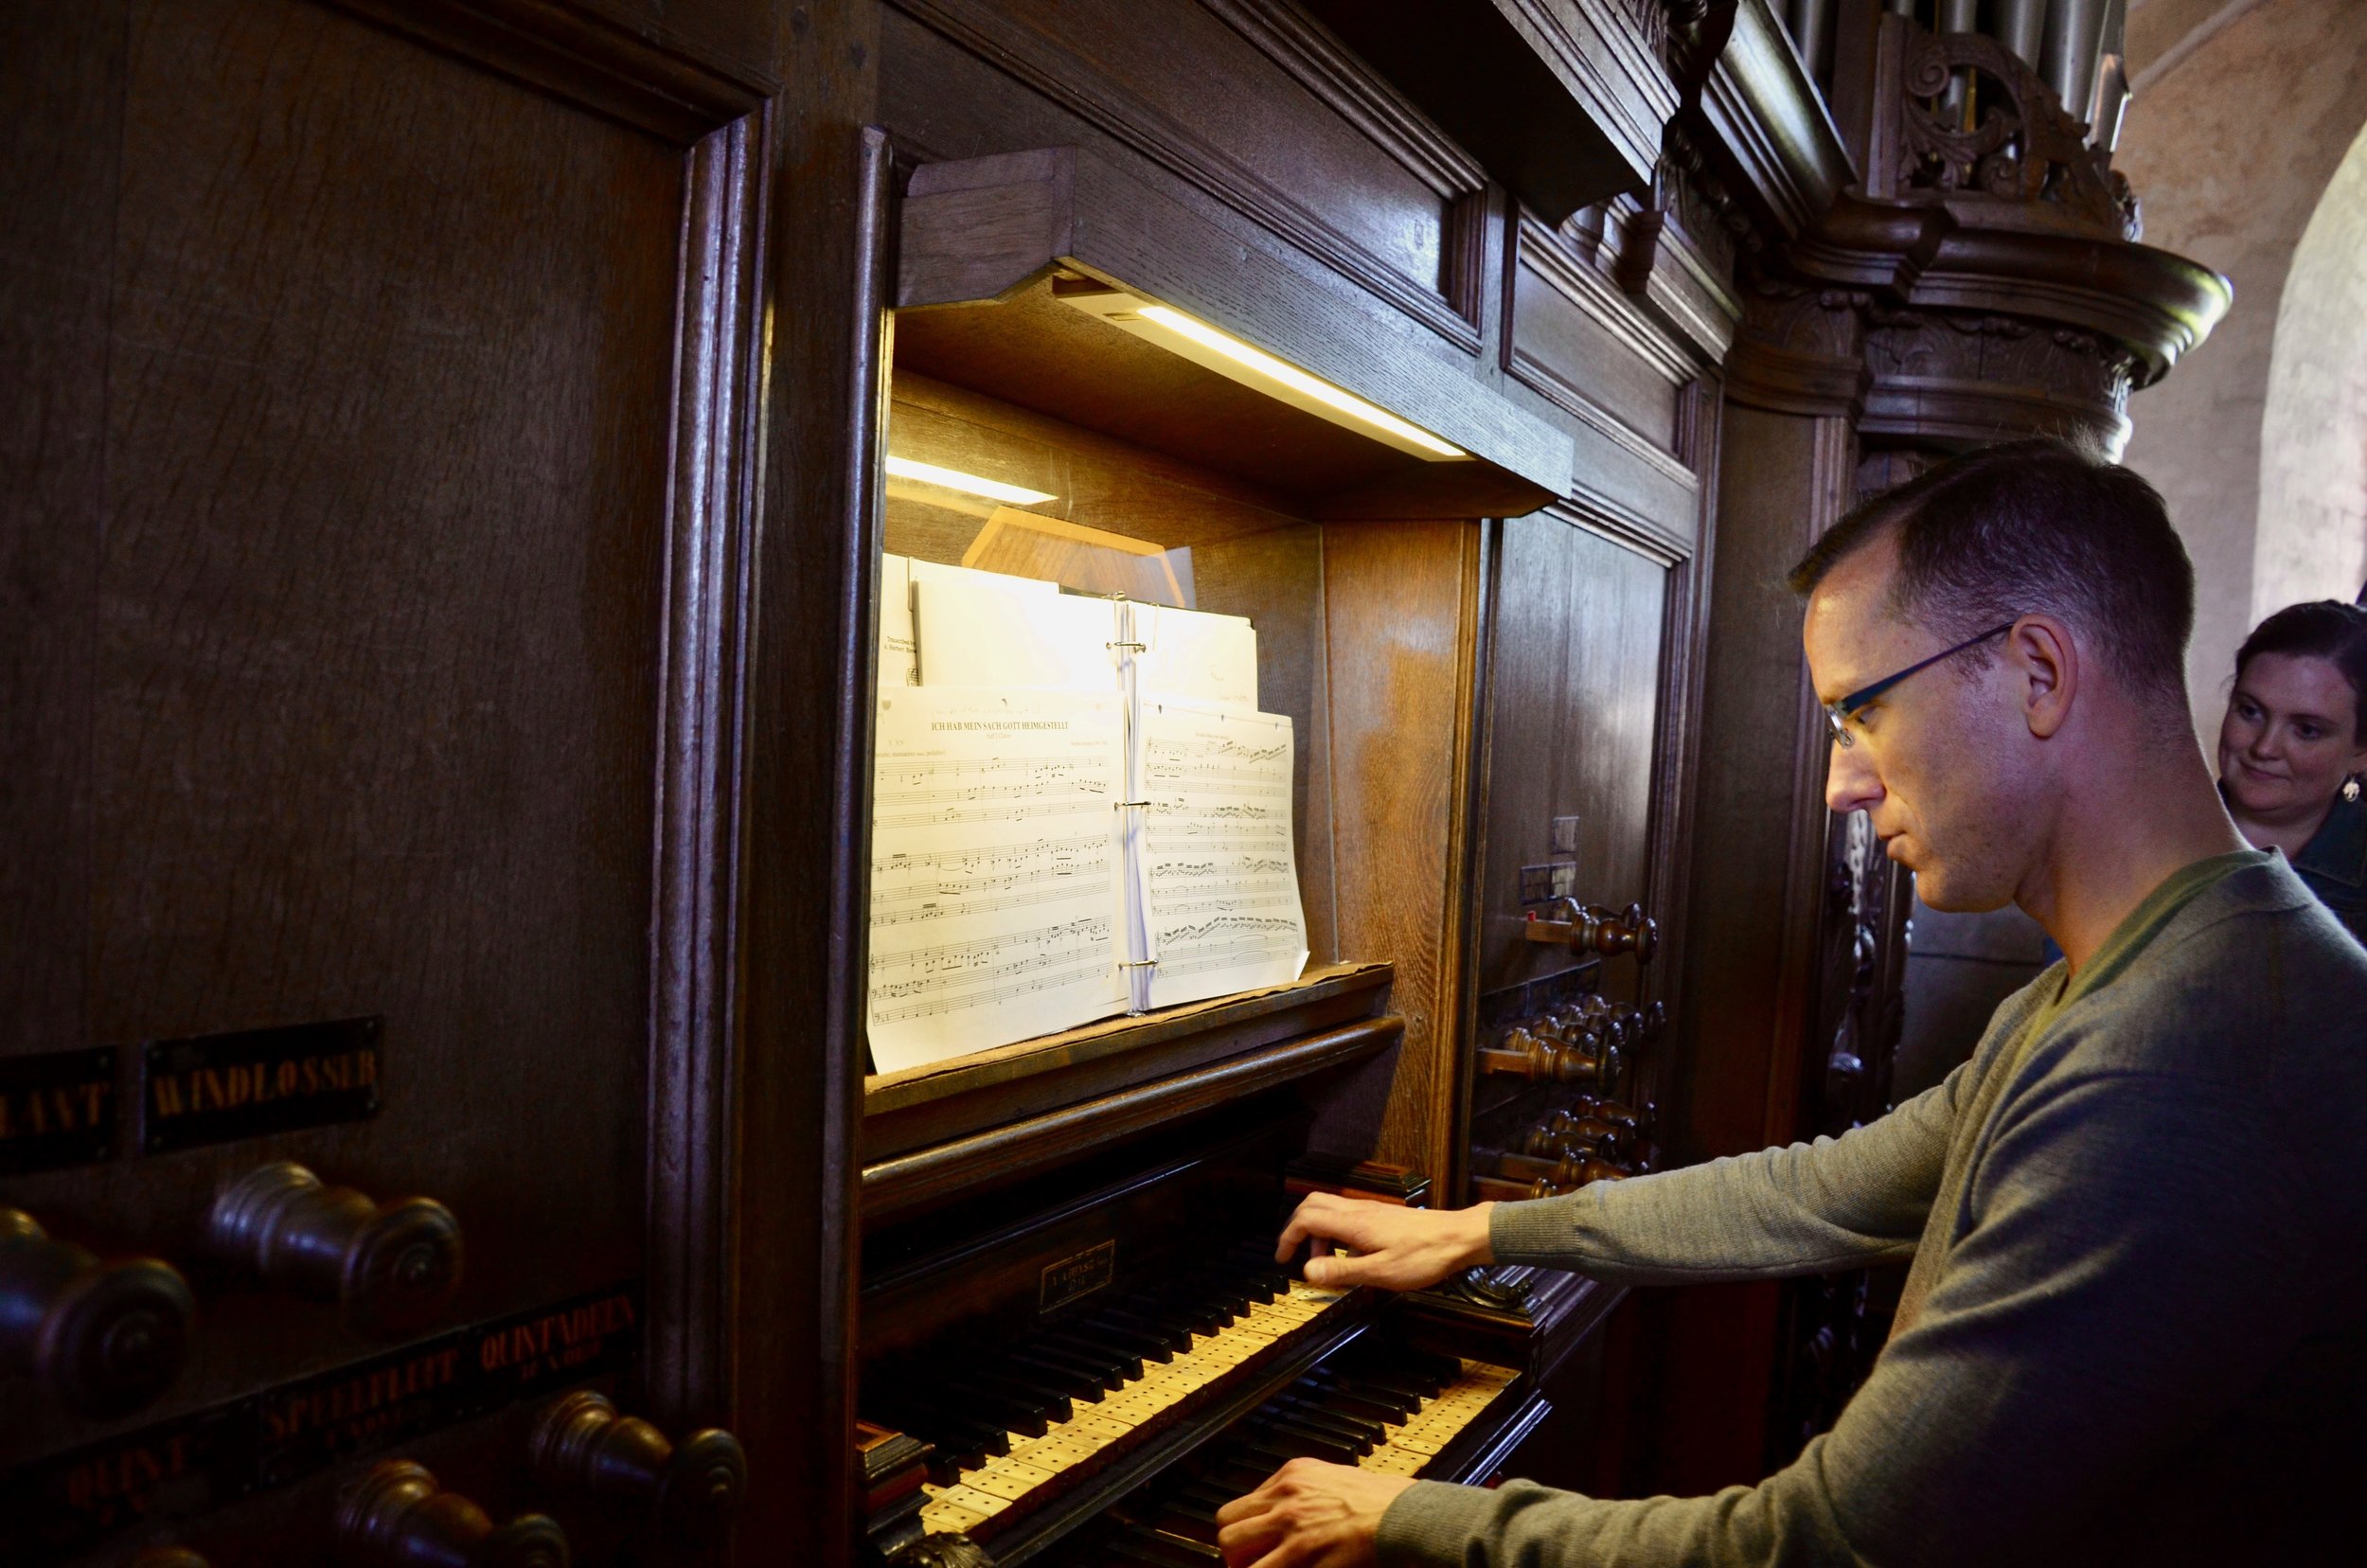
(1839, 712)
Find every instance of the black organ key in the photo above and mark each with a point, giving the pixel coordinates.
(1373, 1404)
(1125, 1342)
(1412, 1390)
(1174, 1337)
(1179, 1317)
(1138, 1545)
(1065, 1371)
(1369, 1433)
(1019, 1410)
(1113, 1362)
(1293, 1441)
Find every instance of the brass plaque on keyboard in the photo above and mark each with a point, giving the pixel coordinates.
(1078, 1275)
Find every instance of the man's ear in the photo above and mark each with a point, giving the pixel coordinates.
(2044, 662)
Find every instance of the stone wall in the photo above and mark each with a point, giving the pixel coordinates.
(2229, 143)
(2311, 538)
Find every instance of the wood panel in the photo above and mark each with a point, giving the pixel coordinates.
(1095, 479)
(61, 87)
(1562, 101)
(1180, 87)
(1573, 700)
(1575, 341)
(1152, 231)
(1401, 612)
(1753, 903)
(370, 645)
(1760, 834)
(804, 865)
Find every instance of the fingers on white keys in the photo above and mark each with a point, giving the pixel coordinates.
(1315, 1220)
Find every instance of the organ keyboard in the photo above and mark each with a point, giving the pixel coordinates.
(1377, 1406)
(1076, 1367)
(1088, 1394)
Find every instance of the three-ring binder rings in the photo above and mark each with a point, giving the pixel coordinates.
(1077, 810)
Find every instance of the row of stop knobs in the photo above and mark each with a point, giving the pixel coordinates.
(397, 1516)
(104, 1338)
(1585, 1041)
(1593, 1140)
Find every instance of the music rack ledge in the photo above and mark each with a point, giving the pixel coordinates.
(914, 1181)
(921, 1106)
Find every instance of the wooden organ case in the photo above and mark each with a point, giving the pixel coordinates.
(458, 452)
(1066, 1334)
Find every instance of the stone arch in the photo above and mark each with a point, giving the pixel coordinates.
(2310, 540)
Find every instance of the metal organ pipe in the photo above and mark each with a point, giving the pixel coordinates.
(2112, 93)
(2075, 31)
(2020, 25)
(1811, 26)
(1958, 16)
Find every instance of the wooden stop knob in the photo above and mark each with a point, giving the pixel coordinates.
(101, 1339)
(392, 1268)
(689, 1491)
(397, 1517)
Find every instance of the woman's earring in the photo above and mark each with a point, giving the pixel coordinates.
(2350, 787)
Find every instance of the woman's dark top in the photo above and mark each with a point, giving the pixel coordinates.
(2334, 863)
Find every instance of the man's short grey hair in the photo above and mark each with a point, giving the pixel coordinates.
(2029, 526)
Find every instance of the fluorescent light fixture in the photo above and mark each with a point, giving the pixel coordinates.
(1228, 356)
(969, 484)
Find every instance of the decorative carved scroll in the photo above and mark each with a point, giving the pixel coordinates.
(2022, 147)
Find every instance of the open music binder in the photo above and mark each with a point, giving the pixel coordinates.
(1077, 810)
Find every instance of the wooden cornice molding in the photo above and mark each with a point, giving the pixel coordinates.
(1979, 284)
(1563, 102)
(1759, 118)
(1930, 258)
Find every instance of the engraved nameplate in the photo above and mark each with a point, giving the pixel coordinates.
(57, 1109)
(60, 1505)
(219, 1088)
(1079, 1276)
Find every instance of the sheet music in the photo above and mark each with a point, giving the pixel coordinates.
(1196, 657)
(897, 664)
(994, 869)
(983, 629)
(1224, 889)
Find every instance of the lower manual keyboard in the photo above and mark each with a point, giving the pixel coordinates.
(1092, 1394)
(1423, 1436)
(1378, 1407)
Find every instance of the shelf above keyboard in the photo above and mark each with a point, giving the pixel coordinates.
(946, 1100)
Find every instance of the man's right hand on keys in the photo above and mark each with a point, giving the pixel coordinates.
(1394, 1247)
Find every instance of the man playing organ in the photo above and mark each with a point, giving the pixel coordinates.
(2122, 1339)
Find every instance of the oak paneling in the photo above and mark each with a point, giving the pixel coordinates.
(1400, 605)
(1574, 703)
(1123, 219)
(1177, 85)
(62, 86)
(373, 636)
(1579, 361)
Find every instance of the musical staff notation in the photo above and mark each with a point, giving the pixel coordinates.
(1223, 879)
(995, 871)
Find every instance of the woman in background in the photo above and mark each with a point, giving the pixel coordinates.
(2293, 748)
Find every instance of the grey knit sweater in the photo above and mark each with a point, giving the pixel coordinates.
(2135, 1326)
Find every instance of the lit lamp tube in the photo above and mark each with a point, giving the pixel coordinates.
(1228, 356)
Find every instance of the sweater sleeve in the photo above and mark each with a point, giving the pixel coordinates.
(1841, 1202)
(2118, 1283)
